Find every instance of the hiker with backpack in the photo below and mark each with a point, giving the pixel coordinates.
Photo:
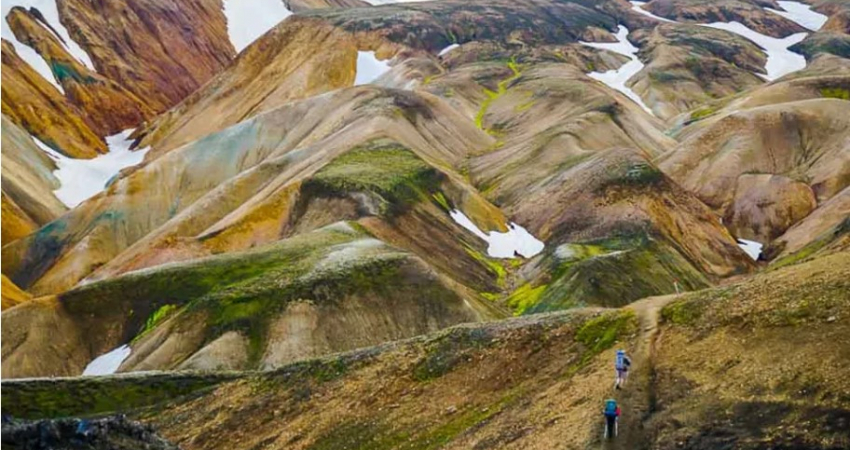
(622, 363)
(612, 414)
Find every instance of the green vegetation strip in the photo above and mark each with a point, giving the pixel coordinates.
(93, 396)
(493, 96)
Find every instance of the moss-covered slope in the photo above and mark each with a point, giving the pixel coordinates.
(329, 290)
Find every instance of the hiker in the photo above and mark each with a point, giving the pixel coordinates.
(612, 414)
(622, 365)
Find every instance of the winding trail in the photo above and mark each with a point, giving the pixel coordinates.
(637, 398)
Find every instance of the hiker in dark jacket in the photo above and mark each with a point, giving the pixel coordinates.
(612, 415)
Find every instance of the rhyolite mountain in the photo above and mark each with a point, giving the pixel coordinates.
(329, 231)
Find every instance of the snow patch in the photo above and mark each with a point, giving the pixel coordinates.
(780, 60)
(517, 240)
(369, 68)
(801, 14)
(247, 20)
(616, 79)
(448, 49)
(108, 363)
(81, 179)
(638, 6)
(752, 248)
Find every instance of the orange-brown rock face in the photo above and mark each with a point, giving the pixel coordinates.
(12, 294)
(160, 50)
(106, 107)
(32, 103)
(16, 223)
(766, 205)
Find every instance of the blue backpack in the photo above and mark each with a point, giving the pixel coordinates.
(620, 363)
(611, 407)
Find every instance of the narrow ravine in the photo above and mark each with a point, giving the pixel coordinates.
(618, 78)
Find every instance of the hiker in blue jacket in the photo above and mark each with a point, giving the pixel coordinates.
(612, 414)
(622, 364)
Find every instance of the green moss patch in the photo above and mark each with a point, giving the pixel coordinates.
(243, 291)
(393, 174)
(525, 297)
(835, 92)
(682, 312)
(812, 248)
(155, 319)
(600, 333)
(492, 96)
(446, 352)
(702, 113)
(611, 272)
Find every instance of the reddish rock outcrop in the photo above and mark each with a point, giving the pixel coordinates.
(107, 107)
(160, 50)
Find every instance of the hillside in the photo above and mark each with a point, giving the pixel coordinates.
(426, 224)
(529, 382)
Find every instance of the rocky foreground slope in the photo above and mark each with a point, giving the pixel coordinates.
(708, 373)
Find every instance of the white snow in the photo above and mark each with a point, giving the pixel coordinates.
(108, 363)
(638, 6)
(617, 78)
(369, 68)
(802, 14)
(517, 240)
(81, 179)
(249, 19)
(752, 248)
(448, 49)
(780, 60)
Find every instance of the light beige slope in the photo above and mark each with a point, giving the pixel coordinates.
(28, 182)
(804, 140)
(298, 59)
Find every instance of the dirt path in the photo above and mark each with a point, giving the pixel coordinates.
(637, 398)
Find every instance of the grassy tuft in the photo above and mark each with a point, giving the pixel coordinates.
(836, 92)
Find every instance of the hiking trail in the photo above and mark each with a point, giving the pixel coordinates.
(637, 398)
